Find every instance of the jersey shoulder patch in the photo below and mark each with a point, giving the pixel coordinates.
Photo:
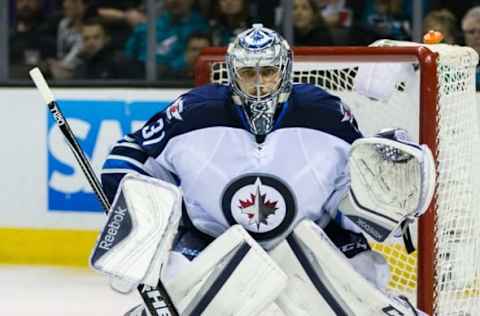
(203, 107)
(207, 96)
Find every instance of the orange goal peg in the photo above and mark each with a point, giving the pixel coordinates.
(433, 37)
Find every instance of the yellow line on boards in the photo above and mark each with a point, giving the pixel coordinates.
(46, 246)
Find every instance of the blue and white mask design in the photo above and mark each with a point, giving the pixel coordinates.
(259, 64)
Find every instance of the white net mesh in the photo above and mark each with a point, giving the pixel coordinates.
(457, 222)
(457, 225)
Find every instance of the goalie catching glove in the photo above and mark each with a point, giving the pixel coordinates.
(392, 182)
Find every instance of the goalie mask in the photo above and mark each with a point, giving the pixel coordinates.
(259, 64)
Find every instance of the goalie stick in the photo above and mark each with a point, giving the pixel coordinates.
(149, 295)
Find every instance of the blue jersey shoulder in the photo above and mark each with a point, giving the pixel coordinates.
(207, 95)
(315, 97)
(186, 106)
(206, 99)
(202, 107)
(315, 108)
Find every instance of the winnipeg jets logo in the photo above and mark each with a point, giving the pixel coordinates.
(346, 112)
(262, 204)
(257, 207)
(174, 110)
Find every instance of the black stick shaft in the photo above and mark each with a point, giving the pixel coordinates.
(79, 154)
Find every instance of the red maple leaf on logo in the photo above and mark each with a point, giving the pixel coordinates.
(246, 203)
(258, 213)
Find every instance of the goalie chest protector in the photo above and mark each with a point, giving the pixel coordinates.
(227, 177)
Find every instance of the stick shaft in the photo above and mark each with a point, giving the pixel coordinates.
(149, 295)
(79, 154)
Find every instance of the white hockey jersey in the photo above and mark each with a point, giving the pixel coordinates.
(201, 142)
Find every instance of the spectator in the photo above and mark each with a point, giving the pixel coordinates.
(47, 8)
(29, 39)
(356, 8)
(388, 19)
(310, 28)
(442, 21)
(120, 17)
(195, 43)
(231, 17)
(69, 39)
(344, 21)
(471, 31)
(336, 13)
(174, 25)
(458, 8)
(96, 59)
(264, 11)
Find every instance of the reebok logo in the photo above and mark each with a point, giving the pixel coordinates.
(117, 228)
(112, 228)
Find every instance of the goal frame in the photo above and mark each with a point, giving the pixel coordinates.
(428, 132)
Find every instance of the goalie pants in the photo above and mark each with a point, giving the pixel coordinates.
(190, 241)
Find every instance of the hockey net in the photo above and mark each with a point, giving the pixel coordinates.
(435, 101)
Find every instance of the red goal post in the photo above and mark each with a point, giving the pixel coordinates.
(437, 68)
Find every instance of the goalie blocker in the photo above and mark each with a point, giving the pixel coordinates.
(136, 240)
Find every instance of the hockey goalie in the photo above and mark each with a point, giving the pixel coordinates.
(253, 198)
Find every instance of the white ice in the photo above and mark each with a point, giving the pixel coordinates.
(58, 291)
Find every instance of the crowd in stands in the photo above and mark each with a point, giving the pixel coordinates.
(107, 39)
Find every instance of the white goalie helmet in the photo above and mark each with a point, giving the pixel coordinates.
(259, 64)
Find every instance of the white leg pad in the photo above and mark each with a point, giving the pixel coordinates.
(322, 281)
(272, 310)
(232, 276)
(372, 266)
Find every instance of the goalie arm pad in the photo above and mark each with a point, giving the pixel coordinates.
(139, 232)
(392, 181)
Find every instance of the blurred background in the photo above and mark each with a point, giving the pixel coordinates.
(112, 64)
(155, 42)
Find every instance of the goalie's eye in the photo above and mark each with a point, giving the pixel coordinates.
(247, 73)
(268, 71)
